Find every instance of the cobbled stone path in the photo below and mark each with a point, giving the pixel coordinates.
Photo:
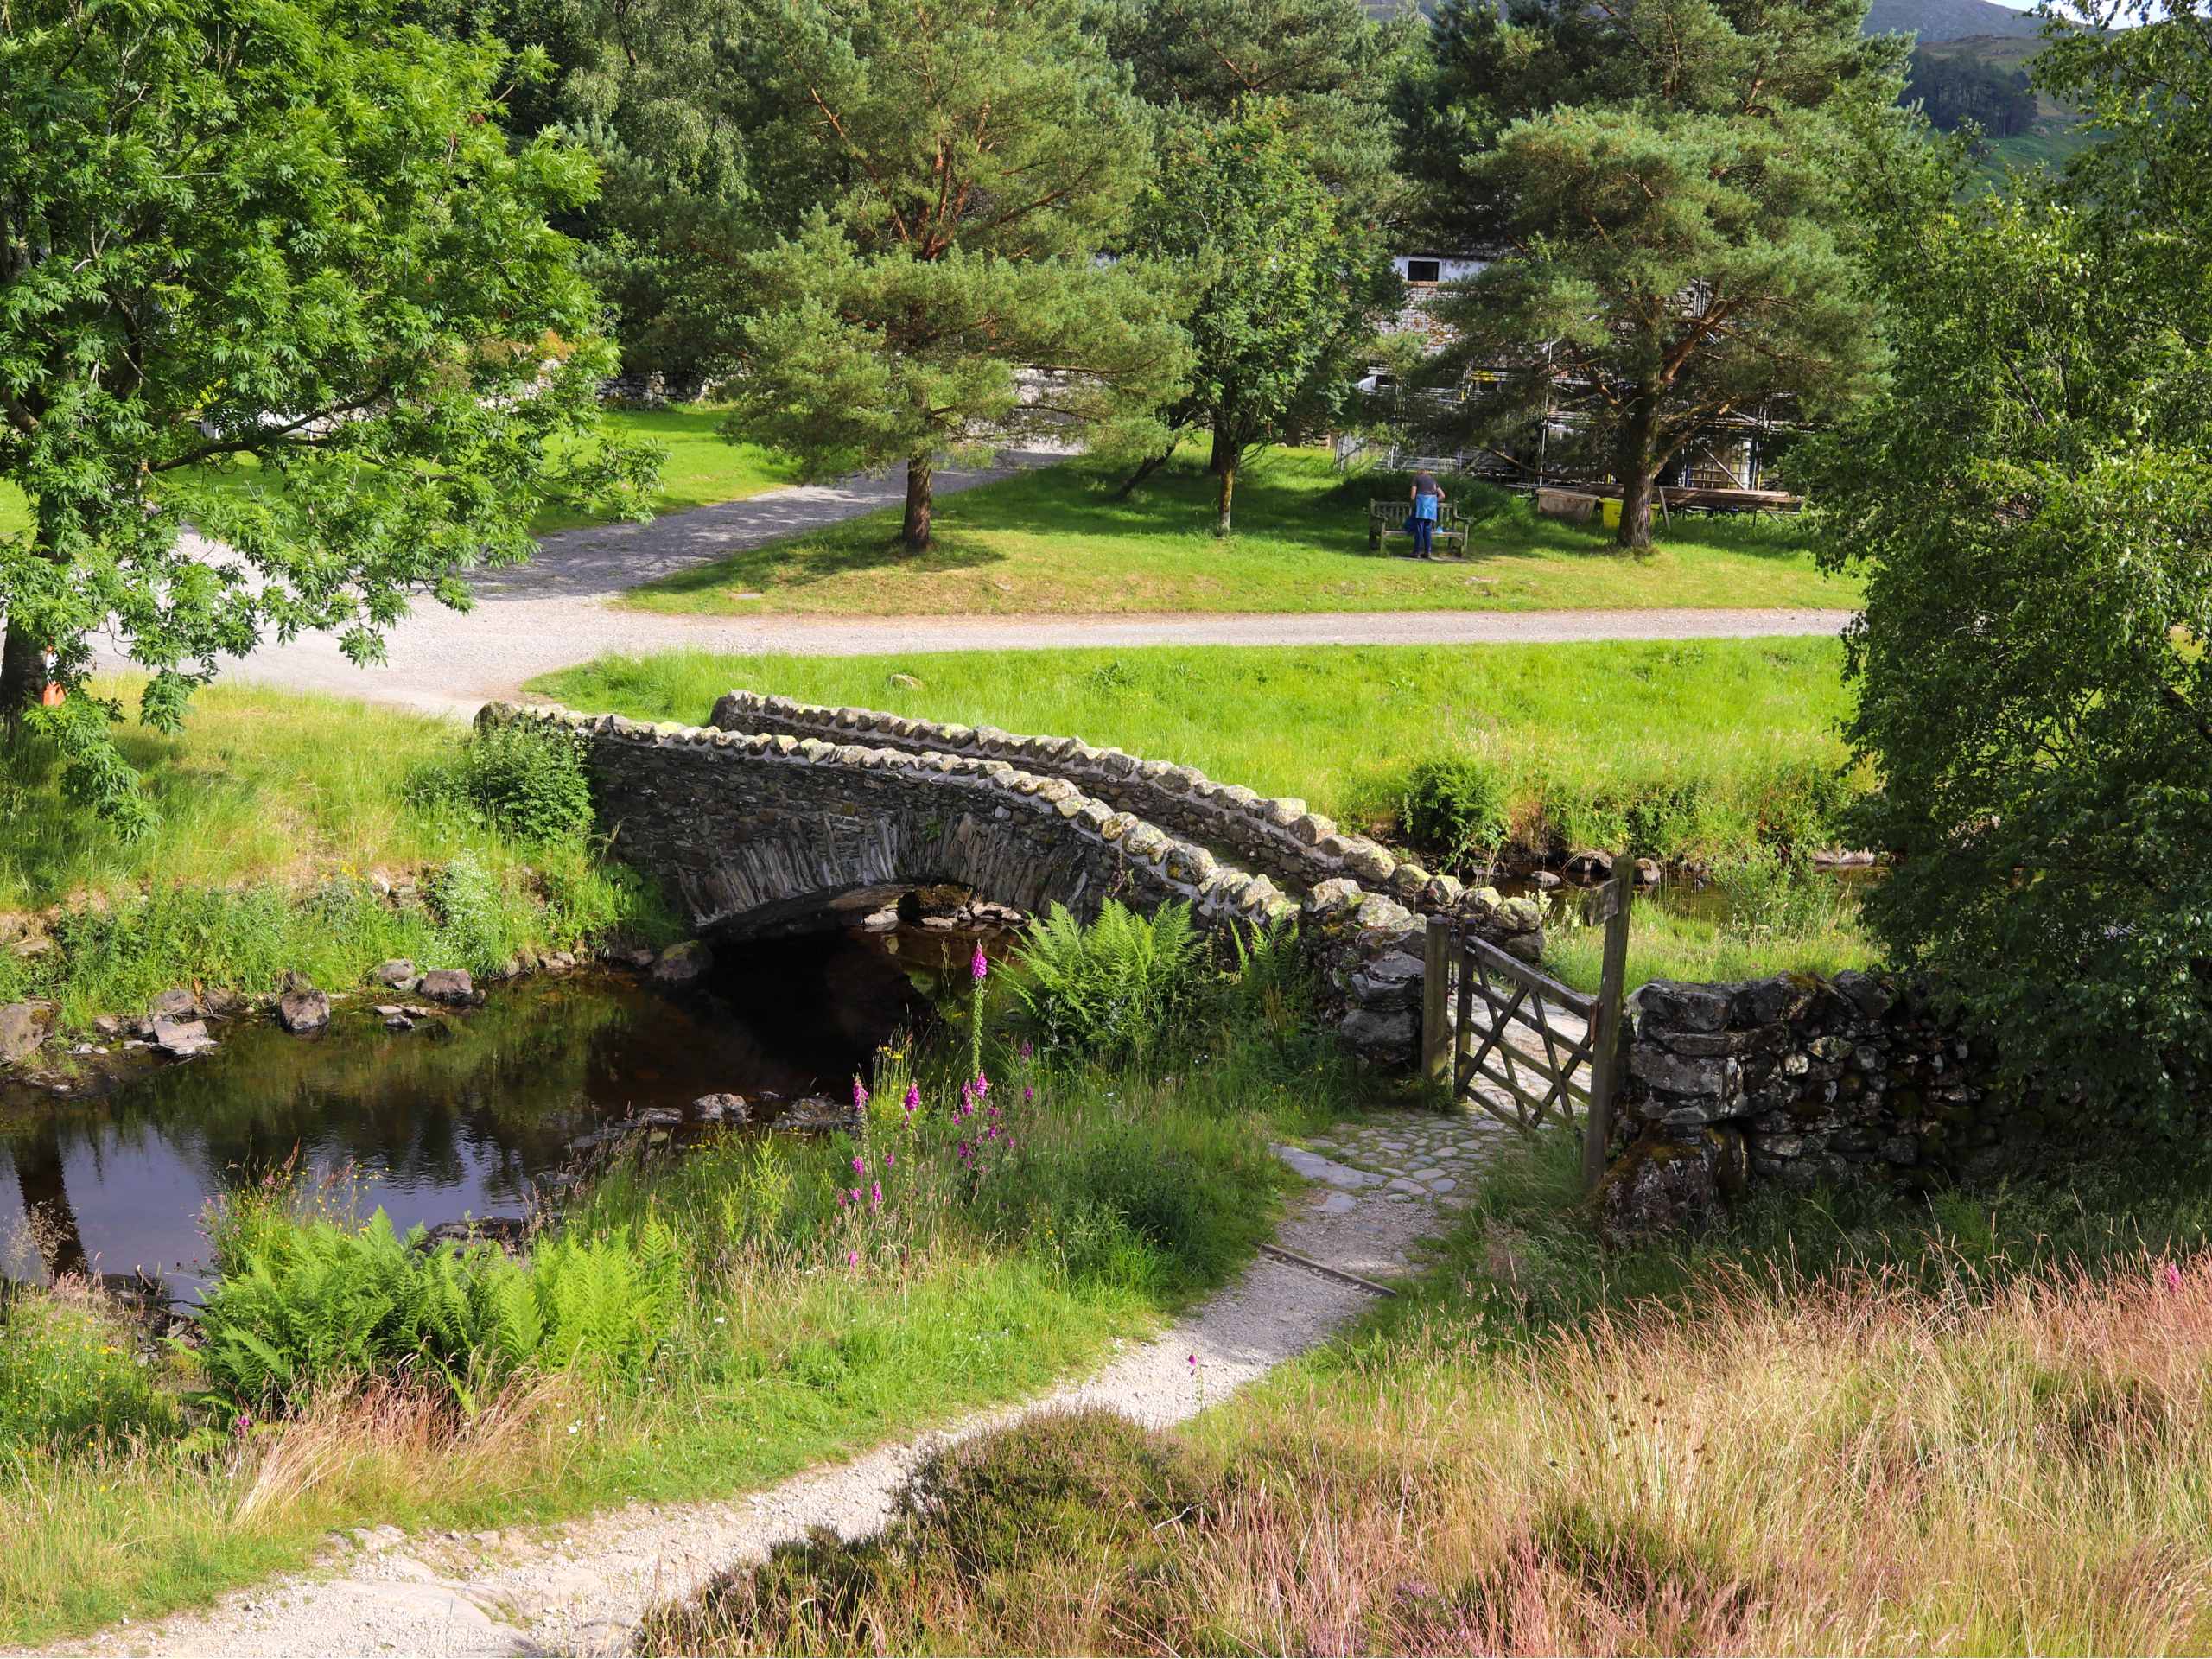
(1431, 1157)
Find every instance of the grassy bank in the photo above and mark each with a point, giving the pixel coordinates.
(698, 468)
(293, 833)
(1678, 749)
(1848, 1427)
(1060, 539)
(701, 1329)
(1719, 751)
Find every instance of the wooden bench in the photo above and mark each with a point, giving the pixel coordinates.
(1389, 518)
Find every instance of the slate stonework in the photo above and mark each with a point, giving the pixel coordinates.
(760, 832)
(1795, 1081)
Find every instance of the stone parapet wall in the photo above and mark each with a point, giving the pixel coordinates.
(762, 831)
(1796, 1082)
(753, 824)
(1278, 837)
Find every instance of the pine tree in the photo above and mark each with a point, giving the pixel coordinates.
(971, 159)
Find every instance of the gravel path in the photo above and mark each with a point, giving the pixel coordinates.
(553, 612)
(583, 1588)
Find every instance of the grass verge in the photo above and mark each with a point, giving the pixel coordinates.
(1061, 540)
(293, 833)
(1713, 751)
(828, 1295)
(1861, 1425)
(1674, 749)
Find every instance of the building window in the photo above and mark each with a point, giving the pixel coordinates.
(1424, 271)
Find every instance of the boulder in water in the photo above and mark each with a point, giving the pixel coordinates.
(301, 1012)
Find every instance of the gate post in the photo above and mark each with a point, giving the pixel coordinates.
(1435, 987)
(1608, 1040)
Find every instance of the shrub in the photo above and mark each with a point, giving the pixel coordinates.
(524, 779)
(68, 1375)
(303, 1302)
(475, 918)
(1454, 810)
(1770, 893)
(1110, 988)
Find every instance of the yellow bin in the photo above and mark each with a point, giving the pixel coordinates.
(1609, 511)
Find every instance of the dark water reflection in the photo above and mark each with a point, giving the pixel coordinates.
(460, 1116)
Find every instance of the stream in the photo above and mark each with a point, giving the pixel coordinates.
(462, 1116)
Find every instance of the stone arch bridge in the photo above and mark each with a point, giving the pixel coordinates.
(779, 815)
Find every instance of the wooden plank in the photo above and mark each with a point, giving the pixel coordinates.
(1606, 1033)
(1463, 1031)
(1435, 987)
(1513, 967)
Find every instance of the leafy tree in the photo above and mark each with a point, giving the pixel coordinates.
(1667, 185)
(667, 95)
(1293, 286)
(2031, 503)
(1332, 68)
(1661, 272)
(972, 158)
(1492, 65)
(269, 265)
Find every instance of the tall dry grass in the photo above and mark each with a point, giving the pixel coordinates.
(1864, 1466)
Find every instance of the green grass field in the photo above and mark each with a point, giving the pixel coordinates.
(1058, 540)
(273, 809)
(1708, 750)
(1856, 1423)
(700, 470)
(1692, 747)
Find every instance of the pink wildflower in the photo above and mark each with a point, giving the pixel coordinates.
(1026, 1050)
(913, 1098)
(1027, 1094)
(889, 1159)
(875, 1192)
(852, 1258)
(860, 1165)
(856, 1195)
(2173, 1277)
(982, 1085)
(980, 965)
(860, 1095)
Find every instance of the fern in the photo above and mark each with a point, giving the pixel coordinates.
(304, 1302)
(1112, 987)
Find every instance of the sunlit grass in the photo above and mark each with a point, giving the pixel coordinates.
(1707, 735)
(1062, 540)
(1874, 1426)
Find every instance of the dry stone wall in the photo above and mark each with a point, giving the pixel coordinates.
(759, 832)
(1278, 837)
(1797, 1082)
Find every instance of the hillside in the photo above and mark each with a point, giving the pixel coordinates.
(1949, 20)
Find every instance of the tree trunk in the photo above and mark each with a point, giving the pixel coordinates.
(1145, 469)
(1634, 470)
(23, 678)
(1227, 491)
(916, 531)
(1223, 458)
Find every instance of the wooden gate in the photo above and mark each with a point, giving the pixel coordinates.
(1516, 1042)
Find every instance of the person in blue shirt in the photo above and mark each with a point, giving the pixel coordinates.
(1428, 499)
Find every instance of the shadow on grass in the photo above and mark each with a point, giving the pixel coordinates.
(1293, 503)
(863, 544)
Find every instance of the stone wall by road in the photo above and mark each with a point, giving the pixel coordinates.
(1795, 1081)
